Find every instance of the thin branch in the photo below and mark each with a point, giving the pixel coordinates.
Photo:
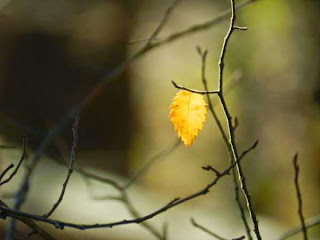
(239, 238)
(202, 26)
(203, 55)
(210, 168)
(158, 156)
(229, 122)
(124, 198)
(299, 196)
(240, 28)
(122, 189)
(193, 90)
(24, 145)
(143, 40)
(5, 171)
(70, 168)
(177, 201)
(134, 213)
(162, 23)
(206, 230)
(195, 28)
(99, 178)
(165, 228)
(311, 222)
(30, 223)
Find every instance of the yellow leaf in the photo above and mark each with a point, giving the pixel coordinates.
(188, 112)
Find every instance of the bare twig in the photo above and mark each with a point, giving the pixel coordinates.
(30, 223)
(210, 168)
(239, 238)
(134, 213)
(70, 168)
(173, 146)
(6, 170)
(24, 144)
(203, 55)
(202, 26)
(195, 28)
(143, 40)
(206, 230)
(177, 201)
(162, 23)
(124, 198)
(122, 189)
(231, 143)
(311, 222)
(299, 196)
(193, 90)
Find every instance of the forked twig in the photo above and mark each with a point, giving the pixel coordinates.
(193, 90)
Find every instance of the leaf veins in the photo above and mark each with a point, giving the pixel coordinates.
(188, 112)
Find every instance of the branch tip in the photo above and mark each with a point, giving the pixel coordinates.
(240, 28)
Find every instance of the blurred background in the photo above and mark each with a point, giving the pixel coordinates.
(53, 52)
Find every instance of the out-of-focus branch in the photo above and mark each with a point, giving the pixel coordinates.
(177, 201)
(30, 223)
(173, 146)
(200, 27)
(206, 230)
(123, 198)
(299, 196)
(123, 188)
(162, 23)
(311, 222)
